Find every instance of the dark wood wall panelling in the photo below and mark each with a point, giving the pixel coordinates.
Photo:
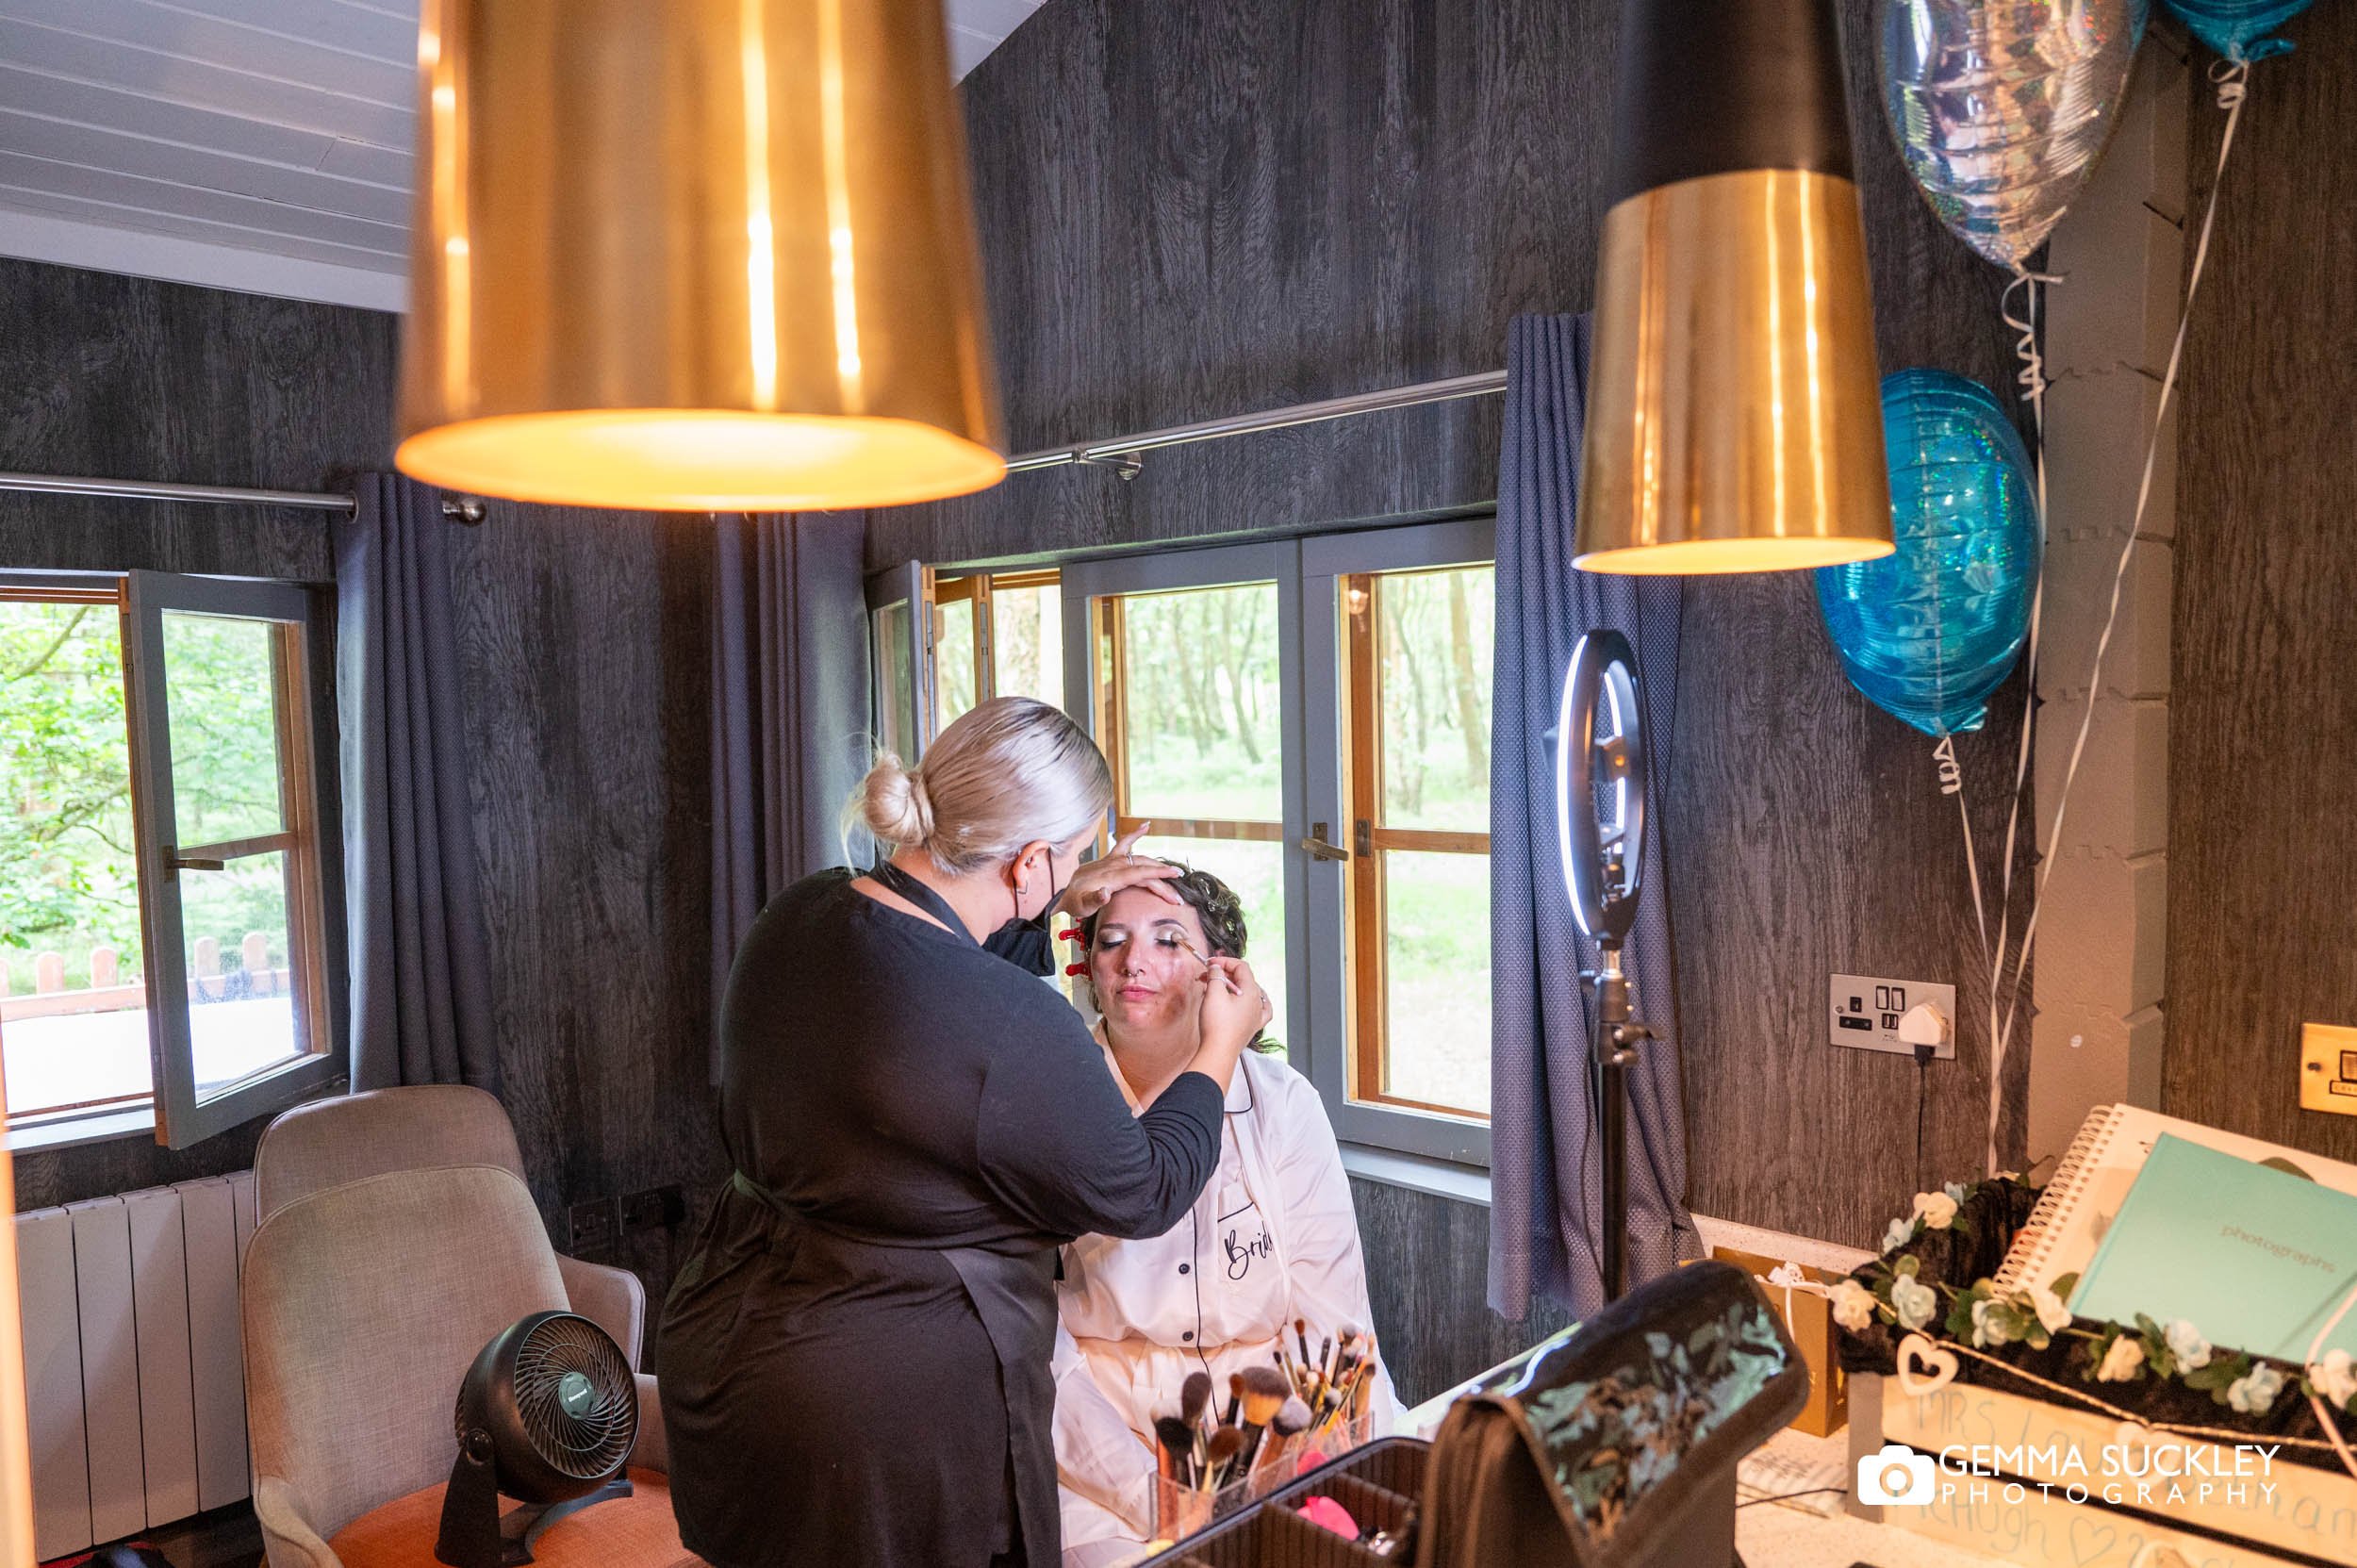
(1195, 210)
(588, 682)
(2262, 700)
(584, 680)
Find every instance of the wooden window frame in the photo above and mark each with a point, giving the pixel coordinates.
(1342, 927)
(1371, 836)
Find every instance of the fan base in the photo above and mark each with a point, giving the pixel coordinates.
(474, 1534)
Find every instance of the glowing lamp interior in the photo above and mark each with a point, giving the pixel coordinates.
(1706, 557)
(699, 460)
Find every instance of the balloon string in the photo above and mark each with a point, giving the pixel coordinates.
(2034, 384)
(2230, 76)
(1951, 782)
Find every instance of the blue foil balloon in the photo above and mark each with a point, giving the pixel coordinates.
(2238, 29)
(1931, 630)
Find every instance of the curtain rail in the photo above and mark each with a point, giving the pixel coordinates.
(156, 489)
(1121, 453)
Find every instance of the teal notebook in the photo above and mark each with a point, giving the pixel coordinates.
(2256, 1258)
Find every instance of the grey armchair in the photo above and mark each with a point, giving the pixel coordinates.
(396, 1237)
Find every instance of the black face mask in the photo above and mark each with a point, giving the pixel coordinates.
(1019, 924)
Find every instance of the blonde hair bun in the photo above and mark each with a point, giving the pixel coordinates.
(1006, 772)
(894, 804)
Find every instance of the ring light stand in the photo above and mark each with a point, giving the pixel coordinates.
(1600, 827)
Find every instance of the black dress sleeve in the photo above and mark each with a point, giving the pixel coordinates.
(1057, 1144)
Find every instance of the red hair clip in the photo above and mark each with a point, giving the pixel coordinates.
(1076, 968)
(1075, 934)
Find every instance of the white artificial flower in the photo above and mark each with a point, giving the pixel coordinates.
(1988, 1328)
(2335, 1378)
(1955, 1190)
(2256, 1390)
(2049, 1309)
(1901, 1233)
(1913, 1301)
(1853, 1306)
(2186, 1344)
(2121, 1362)
(1937, 1210)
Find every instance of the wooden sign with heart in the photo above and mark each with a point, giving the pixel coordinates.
(1941, 1364)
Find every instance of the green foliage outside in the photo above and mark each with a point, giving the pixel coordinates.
(68, 861)
(67, 878)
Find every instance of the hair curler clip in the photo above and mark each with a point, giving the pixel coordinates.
(1076, 968)
(1075, 934)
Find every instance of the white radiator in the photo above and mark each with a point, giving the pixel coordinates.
(135, 1376)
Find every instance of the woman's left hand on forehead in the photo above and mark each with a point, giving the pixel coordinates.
(1098, 880)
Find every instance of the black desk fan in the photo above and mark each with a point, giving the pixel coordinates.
(1600, 827)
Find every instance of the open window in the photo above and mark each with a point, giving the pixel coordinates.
(170, 870)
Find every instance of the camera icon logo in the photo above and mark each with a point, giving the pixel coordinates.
(1896, 1474)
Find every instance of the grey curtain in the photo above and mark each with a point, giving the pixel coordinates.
(789, 712)
(421, 977)
(1546, 1209)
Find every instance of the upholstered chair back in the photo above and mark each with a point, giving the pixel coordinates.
(330, 1142)
(365, 1302)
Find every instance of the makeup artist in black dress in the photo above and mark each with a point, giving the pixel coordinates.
(854, 1362)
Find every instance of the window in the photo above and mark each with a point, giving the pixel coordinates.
(1188, 711)
(169, 882)
(1395, 737)
(1416, 718)
(991, 635)
(1310, 722)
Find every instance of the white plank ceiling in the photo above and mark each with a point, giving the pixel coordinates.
(254, 144)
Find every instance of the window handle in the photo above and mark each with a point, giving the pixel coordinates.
(182, 862)
(1319, 848)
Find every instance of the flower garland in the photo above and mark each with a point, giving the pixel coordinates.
(1985, 1317)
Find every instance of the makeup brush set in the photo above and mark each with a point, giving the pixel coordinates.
(1278, 1420)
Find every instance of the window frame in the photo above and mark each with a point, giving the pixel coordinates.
(1326, 561)
(910, 588)
(1084, 584)
(304, 709)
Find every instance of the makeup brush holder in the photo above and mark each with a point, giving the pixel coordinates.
(1181, 1510)
(1377, 1485)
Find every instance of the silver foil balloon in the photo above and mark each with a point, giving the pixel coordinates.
(2003, 106)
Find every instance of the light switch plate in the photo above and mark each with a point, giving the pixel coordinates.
(2328, 1068)
(1864, 1011)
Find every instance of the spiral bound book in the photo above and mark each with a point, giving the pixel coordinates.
(2092, 1182)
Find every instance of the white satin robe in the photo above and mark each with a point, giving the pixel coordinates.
(1273, 1238)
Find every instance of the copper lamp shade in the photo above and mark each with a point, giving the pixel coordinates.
(694, 254)
(1734, 410)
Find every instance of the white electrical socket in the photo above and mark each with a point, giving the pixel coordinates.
(1866, 1009)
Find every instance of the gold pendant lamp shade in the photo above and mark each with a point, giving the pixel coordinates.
(1734, 410)
(694, 256)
